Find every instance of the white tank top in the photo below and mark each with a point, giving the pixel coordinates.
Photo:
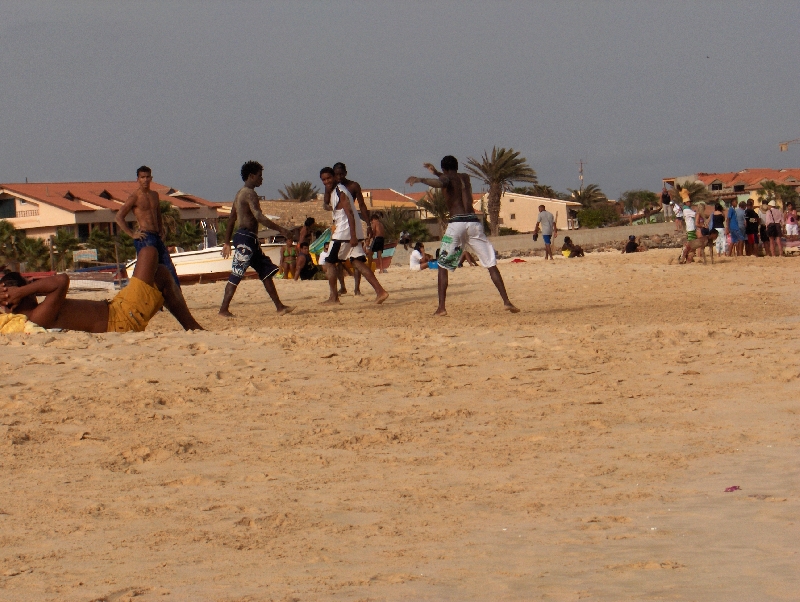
(341, 227)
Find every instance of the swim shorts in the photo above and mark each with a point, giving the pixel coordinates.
(751, 239)
(133, 307)
(691, 235)
(463, 230)
(547, 238)
(247, 253)
(153, 239)
(736, 236)
(774, 230)
(377, 244)
(341, 250)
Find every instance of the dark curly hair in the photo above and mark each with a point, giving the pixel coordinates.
(251, 168)
(13, 279)
(144, 169)
(449, 163)
(325, 170)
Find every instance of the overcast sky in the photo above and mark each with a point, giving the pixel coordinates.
(638, 90)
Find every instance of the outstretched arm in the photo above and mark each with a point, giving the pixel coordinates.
(440, 182)
(432, 169)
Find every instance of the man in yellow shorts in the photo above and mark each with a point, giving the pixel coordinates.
(129, 311)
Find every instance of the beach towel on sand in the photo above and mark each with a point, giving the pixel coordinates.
(13, 323)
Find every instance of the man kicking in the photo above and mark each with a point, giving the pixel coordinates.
(464, 227)
(247, 210)
(150, 232)
(354, 188)
(344, 239)
(130, 311)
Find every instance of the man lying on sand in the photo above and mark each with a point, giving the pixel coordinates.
(707, 239)
(129, 311)
(464, 227)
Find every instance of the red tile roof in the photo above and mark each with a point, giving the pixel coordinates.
(87, 194)
(752, 178)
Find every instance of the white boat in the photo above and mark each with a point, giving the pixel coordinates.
(208, 265)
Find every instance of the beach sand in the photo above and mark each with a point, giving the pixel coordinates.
(578, 450)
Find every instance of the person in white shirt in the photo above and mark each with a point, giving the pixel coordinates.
(419, 259)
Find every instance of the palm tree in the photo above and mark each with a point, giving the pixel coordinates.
(589, 196)
(299, 191)
(782, 194)
(101, 241)
(498, 171)
(64, 243)
(634, 200)
(697, 192)
(170, 217)
(34, 254)
(393, 220)
(540, 190)
(8, 241)
(436, 205)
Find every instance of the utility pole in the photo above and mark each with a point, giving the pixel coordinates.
(580, 174)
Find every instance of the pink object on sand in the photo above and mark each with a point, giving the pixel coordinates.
(734, 488)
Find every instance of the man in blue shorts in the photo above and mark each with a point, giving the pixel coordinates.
(247, 211)
(549, 230)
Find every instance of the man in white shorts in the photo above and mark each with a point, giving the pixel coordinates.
(463, 228)
(344, 239)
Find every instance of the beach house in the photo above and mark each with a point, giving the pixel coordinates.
(42, 208)
(739, 185)
(520, 211)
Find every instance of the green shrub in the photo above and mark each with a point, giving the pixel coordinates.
(506, 231)
(597, 216)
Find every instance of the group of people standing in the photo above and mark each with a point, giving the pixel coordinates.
(741, 228)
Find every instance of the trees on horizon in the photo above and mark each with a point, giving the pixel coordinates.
(498, 171)
(299, 191)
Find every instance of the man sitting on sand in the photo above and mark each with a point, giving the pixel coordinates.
(706, 239)
(633, 246)
(306, 270)
(130, 311)
(464, 227)
(570, 249)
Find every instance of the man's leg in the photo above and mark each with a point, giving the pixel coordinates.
(224, 310)
(340, 277)
(332, 272)
(501, 288)
(443, 278)
(146, 265)
(357, 282)
(380, 262)
(362, 269)
(173, 299)
(269, 286)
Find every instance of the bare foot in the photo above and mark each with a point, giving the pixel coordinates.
(512, 308)
(331, 302)
(226, 314)
(381, 298)
(384, 272)
(440, 313)
(343, 291)
(285, 310)
(357, 293)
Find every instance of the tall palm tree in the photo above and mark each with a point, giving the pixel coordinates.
(436, 205)
(589, 196)
(697, 192)
(64, 243)
(393, 220)
(498, 171)
(170, 217)
(299, 191)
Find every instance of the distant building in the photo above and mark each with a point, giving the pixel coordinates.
(520, 211)
(740, 185)
(42, 208)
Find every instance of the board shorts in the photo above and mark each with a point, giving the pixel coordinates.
(247, 253)
(736, 236)
(377, 244)
(133, 307)
(341, 250)
(751, 239)
(774, 230)
(463, 230)
(153, 239)
(691, 235)
(547, 238)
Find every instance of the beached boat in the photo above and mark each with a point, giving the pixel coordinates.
(208, 265)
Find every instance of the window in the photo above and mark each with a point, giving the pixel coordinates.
(513, 216)
(8, 208)
(83, 231)
(738, 188)
(510, 200)
(716, 186)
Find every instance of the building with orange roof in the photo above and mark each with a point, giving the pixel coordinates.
(740, 185)
(42, 208)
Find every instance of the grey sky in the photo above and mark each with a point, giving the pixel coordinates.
(639, 90)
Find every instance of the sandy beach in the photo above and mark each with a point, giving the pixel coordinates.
(578, 450)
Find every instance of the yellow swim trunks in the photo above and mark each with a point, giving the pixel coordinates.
(134, 307)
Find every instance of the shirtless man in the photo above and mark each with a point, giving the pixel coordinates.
(464, 227)
(247, 210)
(378, 240)
(148, 238)
(130, 311)
(345, 242)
